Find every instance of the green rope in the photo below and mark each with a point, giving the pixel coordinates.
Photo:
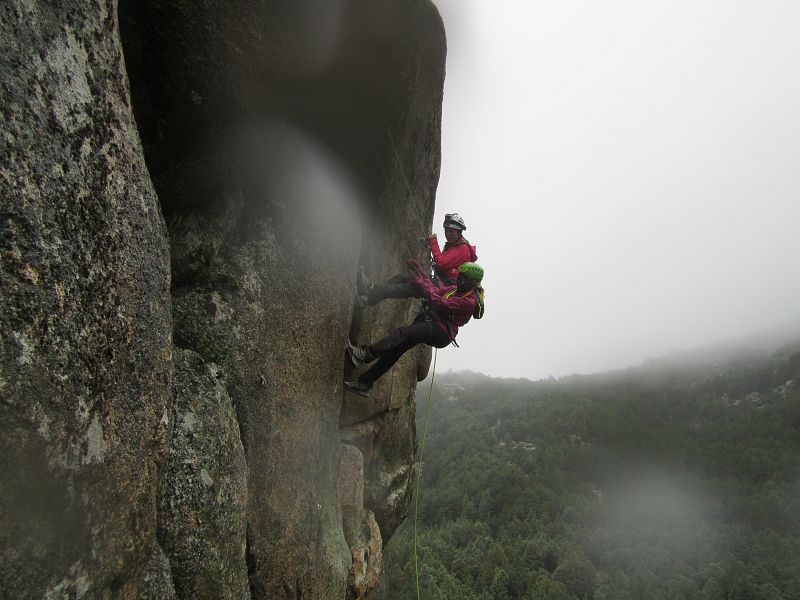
(435, 351)
(419, 469)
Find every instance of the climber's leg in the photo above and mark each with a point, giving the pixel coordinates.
(389, 350)
(399, 286)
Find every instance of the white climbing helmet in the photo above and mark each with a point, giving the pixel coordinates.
(454, 221)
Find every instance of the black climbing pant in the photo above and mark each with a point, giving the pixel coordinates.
(399, 286)
(389, 350)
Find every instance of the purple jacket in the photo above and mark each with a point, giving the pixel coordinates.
(450, 309)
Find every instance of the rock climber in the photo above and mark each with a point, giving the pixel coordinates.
(457, 251)
(447, 308)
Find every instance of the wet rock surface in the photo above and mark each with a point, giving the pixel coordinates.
(288, 143)
(85, 323)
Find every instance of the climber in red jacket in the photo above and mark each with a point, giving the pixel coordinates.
(457, 251)
(448, 308)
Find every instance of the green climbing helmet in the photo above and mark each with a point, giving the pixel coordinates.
(472, 270)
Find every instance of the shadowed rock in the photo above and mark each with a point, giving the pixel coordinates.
(288, 143)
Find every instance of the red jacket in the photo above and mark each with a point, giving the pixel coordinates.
(448, 311)
(447, 261)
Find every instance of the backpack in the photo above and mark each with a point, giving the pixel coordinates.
(479, 305)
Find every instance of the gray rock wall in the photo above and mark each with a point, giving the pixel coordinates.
(288, 143)
(203, 491)
(85, 357)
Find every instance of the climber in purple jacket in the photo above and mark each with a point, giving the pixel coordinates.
(448, 308)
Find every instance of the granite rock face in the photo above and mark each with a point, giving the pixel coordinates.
(361, 531)
(85, 356)
(203, 492)
(282, 146)
(156, 582)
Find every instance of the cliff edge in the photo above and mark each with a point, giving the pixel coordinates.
(188, 190)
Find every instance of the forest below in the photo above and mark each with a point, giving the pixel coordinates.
(676, 479)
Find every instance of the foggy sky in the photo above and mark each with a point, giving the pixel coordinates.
(630, 173)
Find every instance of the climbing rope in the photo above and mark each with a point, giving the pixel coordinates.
(435, 351)
(419, 468)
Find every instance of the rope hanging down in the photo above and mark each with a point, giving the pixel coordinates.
(419, 468)
(435, 350)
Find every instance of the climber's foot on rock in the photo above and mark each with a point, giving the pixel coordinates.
(358, 354)
(357, 387)
(364, 284)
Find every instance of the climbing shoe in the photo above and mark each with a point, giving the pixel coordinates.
(363, 283)
(362, 300)
(358, 354)
(356, 387)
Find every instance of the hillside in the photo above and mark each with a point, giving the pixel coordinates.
(676, 479)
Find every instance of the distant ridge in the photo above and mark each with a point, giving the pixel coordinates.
(732, 351)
